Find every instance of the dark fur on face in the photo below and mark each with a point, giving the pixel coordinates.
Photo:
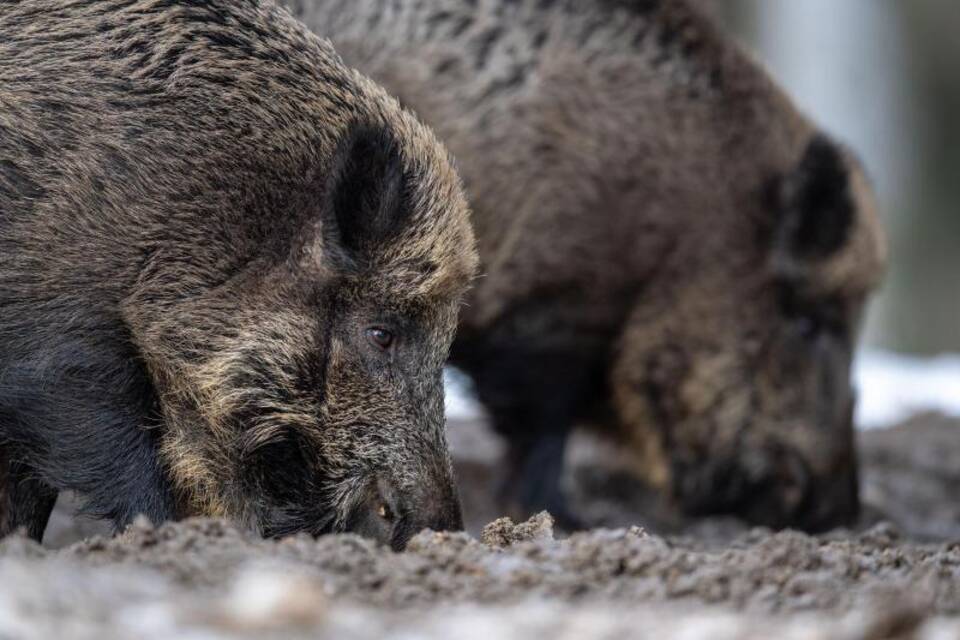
(670, 251)
(230, 272)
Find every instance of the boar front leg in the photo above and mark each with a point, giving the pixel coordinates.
(25, 501)
(535, 476)
(535, 398)
(80, 416)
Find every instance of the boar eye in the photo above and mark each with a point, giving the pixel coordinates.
(381, 338)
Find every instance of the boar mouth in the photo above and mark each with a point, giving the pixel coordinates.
(392, 513)
(773, 488)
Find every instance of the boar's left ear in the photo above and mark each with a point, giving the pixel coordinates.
(815, 205)
(367, 192)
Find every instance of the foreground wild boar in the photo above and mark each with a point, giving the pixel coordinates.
(670, 250)
(230, 271)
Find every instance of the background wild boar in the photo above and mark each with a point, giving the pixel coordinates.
(670, 251)
(230, 271)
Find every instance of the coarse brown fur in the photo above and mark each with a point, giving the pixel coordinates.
(668, 247)
(230, 272)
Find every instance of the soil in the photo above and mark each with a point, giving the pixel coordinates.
(896, 575)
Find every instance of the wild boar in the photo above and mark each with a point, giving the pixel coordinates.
(230, 273)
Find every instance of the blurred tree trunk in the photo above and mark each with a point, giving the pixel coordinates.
(929, 270)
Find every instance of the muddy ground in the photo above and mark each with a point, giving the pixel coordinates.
(896, 575)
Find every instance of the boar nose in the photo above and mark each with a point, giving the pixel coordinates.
(392, 514)
(773, 488)
(435, 506)
(751, 486)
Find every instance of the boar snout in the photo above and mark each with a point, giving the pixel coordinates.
(392, 514)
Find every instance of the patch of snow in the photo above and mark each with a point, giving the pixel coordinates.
(461, 400)
(893, 387)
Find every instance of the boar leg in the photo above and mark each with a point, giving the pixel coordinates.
(535, 398)
(25, 501)
(536, 472)
(79, 417)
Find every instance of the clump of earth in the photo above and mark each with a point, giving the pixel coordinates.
(642, 573)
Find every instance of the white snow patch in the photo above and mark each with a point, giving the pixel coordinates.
(461, 400)
(893, 387)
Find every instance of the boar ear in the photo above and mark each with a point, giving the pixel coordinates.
(368, 191)
(815, 205)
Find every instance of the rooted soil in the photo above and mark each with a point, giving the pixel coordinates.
(895, 576)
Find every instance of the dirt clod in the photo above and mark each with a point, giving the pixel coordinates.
(502, 532)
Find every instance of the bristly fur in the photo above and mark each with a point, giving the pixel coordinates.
(201, 209)
(670, 250)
